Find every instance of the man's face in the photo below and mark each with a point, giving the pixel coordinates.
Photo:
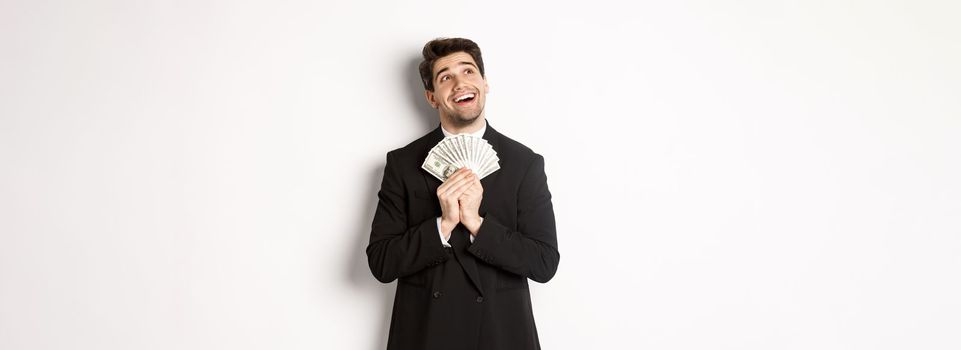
(459, 89)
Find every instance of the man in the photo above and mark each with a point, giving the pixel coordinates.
(462, 250)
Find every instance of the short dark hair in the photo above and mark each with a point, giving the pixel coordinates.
(440, 47)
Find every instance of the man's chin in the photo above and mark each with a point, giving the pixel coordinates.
(460, 120)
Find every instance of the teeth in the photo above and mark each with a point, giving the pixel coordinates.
(463, 97)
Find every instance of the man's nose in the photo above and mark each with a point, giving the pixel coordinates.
(459, 84)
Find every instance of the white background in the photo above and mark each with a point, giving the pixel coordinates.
(726, 175)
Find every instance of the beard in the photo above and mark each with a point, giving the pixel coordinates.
(461, 120)
(465, 118)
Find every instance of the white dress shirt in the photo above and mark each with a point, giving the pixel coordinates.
(478, 133)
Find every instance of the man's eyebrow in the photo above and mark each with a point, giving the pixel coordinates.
(460, 63)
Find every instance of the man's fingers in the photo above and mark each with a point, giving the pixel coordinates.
(459, 187)
(471, 192)
(475, 179)
(454, 193)
(456, 180)
(459, 173)
(475, 186)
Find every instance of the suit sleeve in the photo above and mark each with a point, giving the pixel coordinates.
(396, 250)
(531, 250)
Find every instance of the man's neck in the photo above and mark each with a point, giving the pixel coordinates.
(471, 128)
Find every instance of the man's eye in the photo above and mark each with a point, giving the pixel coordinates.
(469, 71)
(444, 78)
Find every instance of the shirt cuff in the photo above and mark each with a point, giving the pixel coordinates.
(441, 234)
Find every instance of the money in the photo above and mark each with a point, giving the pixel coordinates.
(455, 152)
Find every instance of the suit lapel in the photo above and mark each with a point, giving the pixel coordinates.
(492, 137)
(460, 241)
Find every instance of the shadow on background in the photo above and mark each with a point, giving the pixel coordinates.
(359, 273)
(427, 114)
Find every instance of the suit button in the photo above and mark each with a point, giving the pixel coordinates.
(437, 295)
(480, 299)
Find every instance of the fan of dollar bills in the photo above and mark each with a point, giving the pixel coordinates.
(455, 152)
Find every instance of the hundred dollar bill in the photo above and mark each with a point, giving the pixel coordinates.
(459, 151)
(438, 166)
(490, 166)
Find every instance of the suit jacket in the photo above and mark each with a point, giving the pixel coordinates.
(471, 295)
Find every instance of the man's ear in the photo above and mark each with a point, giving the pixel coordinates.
(429, 95)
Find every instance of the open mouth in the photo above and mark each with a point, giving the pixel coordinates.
(464, 99)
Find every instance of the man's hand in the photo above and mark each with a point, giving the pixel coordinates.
(470, 201)
(449, 193)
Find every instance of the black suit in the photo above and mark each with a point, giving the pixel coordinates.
(472, 295)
